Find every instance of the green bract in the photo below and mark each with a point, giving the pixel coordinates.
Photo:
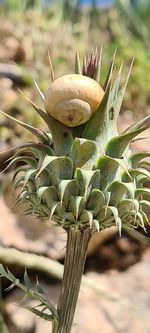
(85, 176)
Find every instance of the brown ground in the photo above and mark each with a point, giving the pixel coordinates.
(94, 312)
(119, 265)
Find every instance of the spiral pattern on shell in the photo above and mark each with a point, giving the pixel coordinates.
(72, 99)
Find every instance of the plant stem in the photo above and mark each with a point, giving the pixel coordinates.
(77, 243)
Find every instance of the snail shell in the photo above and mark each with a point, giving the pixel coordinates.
(73, 98)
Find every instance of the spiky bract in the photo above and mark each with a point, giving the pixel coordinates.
(85, 176)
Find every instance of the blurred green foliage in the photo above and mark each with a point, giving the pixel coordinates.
(136, 18)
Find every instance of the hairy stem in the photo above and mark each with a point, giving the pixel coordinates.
(77, 243)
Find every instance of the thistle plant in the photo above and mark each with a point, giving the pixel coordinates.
(80, 174)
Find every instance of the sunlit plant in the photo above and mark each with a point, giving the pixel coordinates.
(80, 174)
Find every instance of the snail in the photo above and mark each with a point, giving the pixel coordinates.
(73, 98)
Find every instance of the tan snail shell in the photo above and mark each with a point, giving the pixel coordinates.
(73, 98)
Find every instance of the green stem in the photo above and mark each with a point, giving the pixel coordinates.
(77, 243)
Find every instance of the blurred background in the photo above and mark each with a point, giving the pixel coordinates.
(28, 28)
